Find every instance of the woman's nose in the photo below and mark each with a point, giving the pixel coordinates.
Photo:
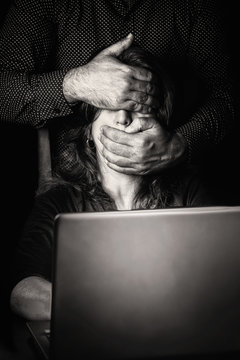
(123, 117)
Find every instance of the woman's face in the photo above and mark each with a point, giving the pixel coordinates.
(130, 122)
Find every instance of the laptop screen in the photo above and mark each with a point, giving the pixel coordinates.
(134, 284)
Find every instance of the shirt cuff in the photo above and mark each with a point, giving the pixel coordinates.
(50, 102)
(195, 139)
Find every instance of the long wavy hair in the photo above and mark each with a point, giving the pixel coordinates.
(77, 165)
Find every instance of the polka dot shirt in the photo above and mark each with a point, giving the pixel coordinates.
(42, 39)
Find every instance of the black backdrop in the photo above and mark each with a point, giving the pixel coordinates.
(18, 161)
(18, 181)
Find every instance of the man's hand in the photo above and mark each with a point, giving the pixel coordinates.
(107, 83)
(141, 153)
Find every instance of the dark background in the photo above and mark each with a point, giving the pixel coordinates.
(18, 182)
(18, 159)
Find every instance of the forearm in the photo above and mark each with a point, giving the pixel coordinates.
(176, 152)
(208, 126)
(209, 59)
(31, 298)
(30, 84)
(31, 99)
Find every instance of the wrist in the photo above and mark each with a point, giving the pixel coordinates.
(72, 86)
(178, 148)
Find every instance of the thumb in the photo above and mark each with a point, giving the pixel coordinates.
(117, 48)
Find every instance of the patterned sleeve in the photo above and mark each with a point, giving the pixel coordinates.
(30, 89)
(209, 58)
(33, 254)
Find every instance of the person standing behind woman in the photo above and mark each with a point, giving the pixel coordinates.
(85, 182)
(46, 47)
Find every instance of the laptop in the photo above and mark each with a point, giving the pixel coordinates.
(144, 284)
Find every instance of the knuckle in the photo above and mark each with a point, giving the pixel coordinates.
(117, 162)
(149, 88)
(147, 109)
(104, 141)
(122, 88)
(107, 157)
(128, 70)
(123, 171)
(143, 98)
(149, 76)
(126, 84)
(131, 105)
(119, 99)
(138, 156)
(139, 127)
(144, 109)
(111, 147)
(141, 158)
(149, 101)
(104, 153)
(139, 143)
(144, 143)
(107, 144)
(137, 107)
(139, 168)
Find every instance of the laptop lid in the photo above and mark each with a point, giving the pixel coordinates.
(142, 284)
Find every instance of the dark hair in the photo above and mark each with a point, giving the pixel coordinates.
(77, 165)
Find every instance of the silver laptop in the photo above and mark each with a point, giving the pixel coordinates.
(145, 284)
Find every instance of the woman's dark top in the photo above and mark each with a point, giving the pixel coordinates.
(34, 251)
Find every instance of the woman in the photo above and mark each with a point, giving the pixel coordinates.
(91, 185)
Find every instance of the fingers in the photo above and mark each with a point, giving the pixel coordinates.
(121, 164)
(124, 143)
(133, 106)
(128, 87)
(116, 141)
(144, 87)
(138, 125)
(119, 160)
(115, 135)
(143, 98)
(128, 153)
(142, 93)
(141, 73)
(117, 48)
(125, 165)
(123, 170)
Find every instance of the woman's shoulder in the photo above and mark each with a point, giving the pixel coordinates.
(62, 196)
(193, 189)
